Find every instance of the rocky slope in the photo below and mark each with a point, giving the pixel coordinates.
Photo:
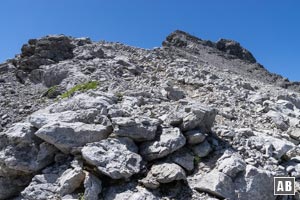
(193, 119)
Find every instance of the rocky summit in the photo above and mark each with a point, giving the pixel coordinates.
(193, 119)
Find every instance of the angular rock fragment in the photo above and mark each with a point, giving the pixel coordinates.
(129, 191)
(93, 187)
(231, 164)
(163, 173)
(184, 158)
(256, 184)
(198, 117)
(83, 101)
(70, 180)
(216, 183)
(114, 157)
(169, 141)
(278, 119)
(201, 150)
(54, 183)
(88, 116)
(22, 152)
(194, 137)
(11, 186)
(281, 146)
(65, 136)
(138, 129)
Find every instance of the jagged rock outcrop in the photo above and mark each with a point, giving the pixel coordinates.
(102, 120)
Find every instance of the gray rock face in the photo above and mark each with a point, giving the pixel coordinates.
(129, 192)
(234, 48)
(70, 180)
(292, 98)
(89, 116)
(44, 51)
(203, 149)
(278, 120)
(198, 117)
(173, 93)
(183, 158)
(256, 184)
(10, 186)
(65, 136)
(53, 183)
(169, 141)
(84, 101)
(216, 183)
(116, 158)
(231, 164)
(163, 173)
(22, 152)
(88, 51)
(93, 187)
(295, 134)
(138, 129)
(281, 146)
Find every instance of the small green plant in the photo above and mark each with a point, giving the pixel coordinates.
(197, 159)
(119, 95)
(80, 87)
(51, 92)
(81, 196)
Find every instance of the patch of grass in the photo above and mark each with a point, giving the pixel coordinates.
(81, 196)
(80, 87)
(119, 95)
(51, 91)
(197, 159)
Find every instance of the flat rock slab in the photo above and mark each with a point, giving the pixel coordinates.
(216, 183)
(114, 157)
(138, 129)
(163, 173)
(255, 184)
(65, 136)
(43, 117)
(129, 191)
(170, 140)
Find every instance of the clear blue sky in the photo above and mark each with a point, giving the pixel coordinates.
(270, 29)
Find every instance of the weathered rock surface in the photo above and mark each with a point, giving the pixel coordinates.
(203, 149)
(231, 164)
(54, 183)
(170, 140)
(138, 129)
(93, 187)
(216, 183)
(66, 136)
(116, 158)
(163, 173)
(128, 192)
(45, 51)
(256, 184)
(22, 152)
